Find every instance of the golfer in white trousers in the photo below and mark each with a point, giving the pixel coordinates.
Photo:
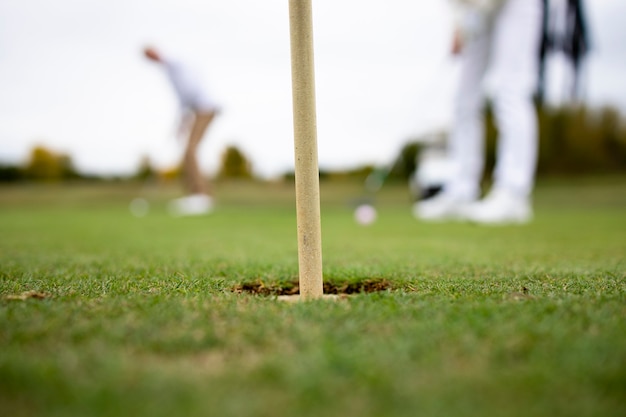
(499, 38)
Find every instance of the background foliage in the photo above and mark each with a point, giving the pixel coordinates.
(572, 141)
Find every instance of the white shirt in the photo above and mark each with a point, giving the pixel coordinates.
(188, 86)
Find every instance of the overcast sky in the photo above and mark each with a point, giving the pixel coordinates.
(72, 77)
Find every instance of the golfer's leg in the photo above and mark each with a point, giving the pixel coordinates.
(194, 181)
(514, 66)
(466, 144)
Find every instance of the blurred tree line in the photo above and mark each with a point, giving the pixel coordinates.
(573, 141)
(234, 165)
(42, 165)
(45, 165)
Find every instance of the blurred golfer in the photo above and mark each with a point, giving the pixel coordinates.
(197, 112)
(500, 38)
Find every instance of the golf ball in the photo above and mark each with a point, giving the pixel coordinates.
(365, 214)
(139, 207)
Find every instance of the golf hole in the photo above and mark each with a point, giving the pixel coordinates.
(292, 287)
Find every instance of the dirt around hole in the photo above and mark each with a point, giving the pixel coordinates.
(293, 287)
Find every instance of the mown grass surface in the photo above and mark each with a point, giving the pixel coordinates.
(140, 318)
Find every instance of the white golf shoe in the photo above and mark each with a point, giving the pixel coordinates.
(500, 207)
(193, 205)
(441, 207)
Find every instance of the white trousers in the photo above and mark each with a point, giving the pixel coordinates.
(506, 50)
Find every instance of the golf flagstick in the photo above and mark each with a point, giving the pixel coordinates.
(305, 147)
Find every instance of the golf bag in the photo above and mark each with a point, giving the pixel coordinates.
(564, 30)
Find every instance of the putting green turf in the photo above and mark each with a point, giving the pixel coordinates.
(139, 317)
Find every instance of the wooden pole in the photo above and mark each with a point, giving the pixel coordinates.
(305, 146)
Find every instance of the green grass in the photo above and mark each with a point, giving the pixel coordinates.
(141, 319)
